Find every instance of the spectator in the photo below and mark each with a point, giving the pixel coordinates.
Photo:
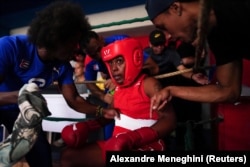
(167, 60)
(79, 72)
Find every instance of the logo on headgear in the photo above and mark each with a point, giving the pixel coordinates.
(106, 52)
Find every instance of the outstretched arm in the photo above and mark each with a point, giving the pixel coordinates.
(79, 104)
(227, 89)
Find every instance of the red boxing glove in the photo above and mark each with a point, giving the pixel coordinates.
(76, 135)
(132, 139)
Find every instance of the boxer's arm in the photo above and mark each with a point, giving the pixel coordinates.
(76, 135)
(167, 119)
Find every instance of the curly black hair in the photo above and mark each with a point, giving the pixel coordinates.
(59, 22)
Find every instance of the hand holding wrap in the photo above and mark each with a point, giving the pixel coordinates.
(33, 108)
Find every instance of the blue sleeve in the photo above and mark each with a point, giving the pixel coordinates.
(114, 38)
(66, 76)
(103, 68)
(6, 52)
(90, 74)
(145, 56)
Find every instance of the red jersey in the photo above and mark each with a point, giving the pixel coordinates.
(134, 106)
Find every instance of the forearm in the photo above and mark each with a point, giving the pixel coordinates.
(81, 105)
(8, 97)
(100, 94)
(96, 91)
(208, 93)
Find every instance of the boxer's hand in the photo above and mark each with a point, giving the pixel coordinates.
(76, 135)
(111, 113)
(131, 140)
(120, 142)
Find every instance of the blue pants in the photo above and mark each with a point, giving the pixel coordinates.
(40, 155)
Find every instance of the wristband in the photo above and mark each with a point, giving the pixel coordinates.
(111, 92)
(99, 111)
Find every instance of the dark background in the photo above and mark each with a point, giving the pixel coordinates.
(19, 13)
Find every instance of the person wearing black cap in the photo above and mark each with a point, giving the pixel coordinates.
(162, 59)
(157, 38)
(180, 18)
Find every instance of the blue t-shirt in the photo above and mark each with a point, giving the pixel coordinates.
(20, 64)
(92, 68)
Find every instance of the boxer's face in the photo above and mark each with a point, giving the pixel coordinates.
(117, 69)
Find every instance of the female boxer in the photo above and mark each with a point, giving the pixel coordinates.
(137, 128)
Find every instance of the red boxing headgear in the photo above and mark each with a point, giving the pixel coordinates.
(131, 50)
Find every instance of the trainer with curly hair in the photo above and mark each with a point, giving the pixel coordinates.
(42, 56)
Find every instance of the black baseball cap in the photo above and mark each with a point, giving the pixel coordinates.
(155, 7)
(157, 37)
